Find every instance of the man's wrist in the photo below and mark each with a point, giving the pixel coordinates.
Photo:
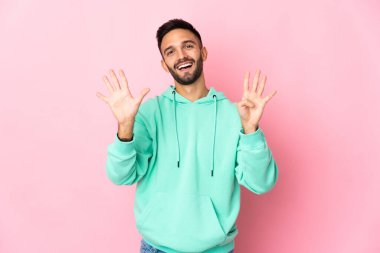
(125, 131)
(124, 139)
(250, 129)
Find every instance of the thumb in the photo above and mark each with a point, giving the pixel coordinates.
(101, 96)
(246, 103)
(143, 93)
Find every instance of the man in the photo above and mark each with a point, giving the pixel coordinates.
(188, 150)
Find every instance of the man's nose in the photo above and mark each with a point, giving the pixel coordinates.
(181, 54)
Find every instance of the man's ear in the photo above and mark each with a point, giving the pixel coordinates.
(163, 64)
(204, 53)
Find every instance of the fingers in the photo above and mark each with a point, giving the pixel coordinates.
(255, 81)
(261, 86)
(115, 85)
(124, 82)
(110, 87)
(114, 80)
(258, 89)
(245, 85)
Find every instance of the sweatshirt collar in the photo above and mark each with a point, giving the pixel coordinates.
(168, 93)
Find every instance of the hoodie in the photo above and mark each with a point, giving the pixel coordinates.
(188, 160)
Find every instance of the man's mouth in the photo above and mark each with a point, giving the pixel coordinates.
(184, 66)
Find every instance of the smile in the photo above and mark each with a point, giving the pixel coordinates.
(185, 66)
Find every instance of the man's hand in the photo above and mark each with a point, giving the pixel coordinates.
(121, 102)
(252, 105)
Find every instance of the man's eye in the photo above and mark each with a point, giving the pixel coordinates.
(169, 52)
(189, 46)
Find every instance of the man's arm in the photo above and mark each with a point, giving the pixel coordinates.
(128, 161)
(255, 167)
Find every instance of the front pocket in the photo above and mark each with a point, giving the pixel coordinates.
(182, 222)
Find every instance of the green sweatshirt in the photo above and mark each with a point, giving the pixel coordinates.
(188, 160)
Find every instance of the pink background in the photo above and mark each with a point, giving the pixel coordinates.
(322, 125)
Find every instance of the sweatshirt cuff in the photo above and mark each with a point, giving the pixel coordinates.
(255, 139)
(124, 147)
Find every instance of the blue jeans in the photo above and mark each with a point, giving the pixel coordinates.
(146, 248)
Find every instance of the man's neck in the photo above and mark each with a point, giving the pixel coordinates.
(193, 91)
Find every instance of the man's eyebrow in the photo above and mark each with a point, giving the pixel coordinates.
(183, 42)
(168, 48)
(192, 41)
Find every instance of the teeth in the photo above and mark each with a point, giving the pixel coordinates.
(184, 65)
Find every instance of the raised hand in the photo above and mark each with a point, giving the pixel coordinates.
(123, 105)
(252, 105)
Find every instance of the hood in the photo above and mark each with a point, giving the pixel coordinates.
(213, 96)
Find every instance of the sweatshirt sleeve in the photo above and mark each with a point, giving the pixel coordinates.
(127, 162)
(256, 169)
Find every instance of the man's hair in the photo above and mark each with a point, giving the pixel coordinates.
(175, 24)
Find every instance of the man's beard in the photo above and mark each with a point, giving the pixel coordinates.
(189, 78)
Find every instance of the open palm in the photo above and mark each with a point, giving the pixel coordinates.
(252, 105)
(123, 105)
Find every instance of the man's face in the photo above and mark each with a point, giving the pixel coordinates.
(182, 56)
